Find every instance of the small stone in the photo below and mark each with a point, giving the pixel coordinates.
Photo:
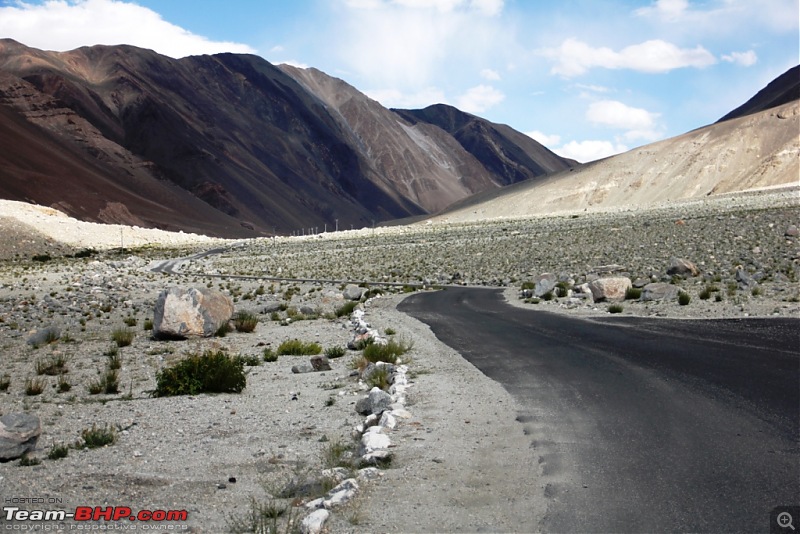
(659, 291)
(791, 231)
(320, 363)
(314, 522)
(682, 267)
(375, 403)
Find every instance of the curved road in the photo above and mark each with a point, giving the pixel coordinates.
(640, 425)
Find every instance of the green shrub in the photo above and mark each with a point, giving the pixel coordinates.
(756, 291)
(148, 324)
(211, 372)
(42, 258)
(379, 378)
(58, 452)
(34, 386)
(122, 337)
(705, 294)
(390, 331)
(95, 437)
(270, 355)
(615, 308)
(250, 360)
(107, 383)
(335, 352)
(562, 291)
(275, 316)
(346, 309)
(27, 460)
(389, 352)
(62, 385)
(684, 298)
(114, 361)
(548, 296)
(52, 366)
(528, 285)
(130, 321)
(245, 321)
(5, 382)
(633, 293)
(295, 347)
(224, 329)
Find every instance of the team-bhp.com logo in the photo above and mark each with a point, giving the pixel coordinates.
(96, 513)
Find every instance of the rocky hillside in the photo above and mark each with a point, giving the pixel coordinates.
(758, 150)
(511, 155)
(226, 145)
(782, 90)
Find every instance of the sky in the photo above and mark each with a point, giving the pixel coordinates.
(586, 78)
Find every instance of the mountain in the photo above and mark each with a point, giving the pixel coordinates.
(510, 155)
(783, 89)
(427, 160)
(754, 151)
(226, 145)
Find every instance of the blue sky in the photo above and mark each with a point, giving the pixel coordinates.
(587, 78)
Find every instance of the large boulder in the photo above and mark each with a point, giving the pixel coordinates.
(181, 313)
(682, 267)
(659, 291)
(609, 289)
(544, 284)
(353, 292)
(19, 433)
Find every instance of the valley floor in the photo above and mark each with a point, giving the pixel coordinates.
(459, 461)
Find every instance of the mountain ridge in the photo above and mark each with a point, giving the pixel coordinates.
(236, 145)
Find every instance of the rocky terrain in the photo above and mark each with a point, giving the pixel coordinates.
(231, 456)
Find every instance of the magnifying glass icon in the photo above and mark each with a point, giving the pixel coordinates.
(785, 520)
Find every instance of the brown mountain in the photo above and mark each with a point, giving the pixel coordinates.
(226, 144)
(783, 89)
(429, 160)
(510, 155)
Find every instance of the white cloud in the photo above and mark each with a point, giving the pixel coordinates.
(669, 10)
(639, 123)
(745, 59)
(618, 115)
(488, 7)
(593, 88)
(408, 44)
(585, 151)
(479, 98)
(292, 63)
(491, 75)
(575, 57)
(543, 138)
(394, 98)
(69, 24)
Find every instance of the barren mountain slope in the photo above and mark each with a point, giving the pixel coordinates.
(231, 130)
(779, 91)
(423, 162)
(509, 154)
(756, 151)
(422, 155)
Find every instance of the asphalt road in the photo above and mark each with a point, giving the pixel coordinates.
(640, 425)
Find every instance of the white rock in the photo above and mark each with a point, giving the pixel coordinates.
(402, 413)
(342, 493)
(314, 522)
(388, 421)
(369, 473)
(372, 441)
